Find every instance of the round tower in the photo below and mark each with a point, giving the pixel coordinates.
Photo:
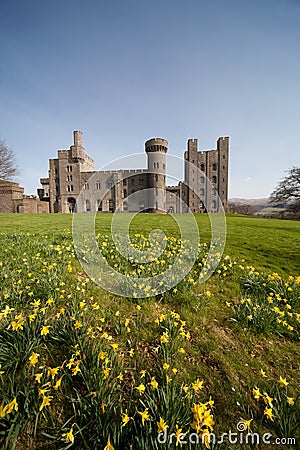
(156, 150)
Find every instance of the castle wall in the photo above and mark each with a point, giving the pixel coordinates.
(141, 189)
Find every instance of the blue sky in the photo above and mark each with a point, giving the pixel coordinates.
(125, 71)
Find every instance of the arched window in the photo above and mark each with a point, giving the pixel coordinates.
(214, 166)
(202, 167)
(201, 191)
(99, 205)
(213, 192)
(202, 180)
(87, 205)
(214, 179)
(98, 185)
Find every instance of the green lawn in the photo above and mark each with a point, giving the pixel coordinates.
(268, 244)
(79, 362)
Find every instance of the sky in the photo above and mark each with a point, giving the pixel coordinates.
(124, 71)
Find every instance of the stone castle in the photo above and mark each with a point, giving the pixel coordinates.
(74, 185)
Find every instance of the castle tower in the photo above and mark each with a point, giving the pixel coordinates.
(156, 150)
(77, 150)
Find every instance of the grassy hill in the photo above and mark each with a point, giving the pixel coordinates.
(84, 368)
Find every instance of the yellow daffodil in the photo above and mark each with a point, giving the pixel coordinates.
(282, 382)
(109, 446)
(33, 358)
(145, 415)
(125, 419)
(161, 425)
(197, 385)
(46, 401)
(141, 388)
(269, 413)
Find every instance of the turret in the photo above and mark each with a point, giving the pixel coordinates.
(77, 150)
(156, 150)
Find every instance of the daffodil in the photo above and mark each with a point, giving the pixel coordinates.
(282, 382)
(154, 383)
(33, 358)
(46, 401)
(109, 446)
(197, 385)
(269, 413)
(53, 371)
(45, 330)
(247, 423)
(256, 393)
(69, 436)
(161, 425)
(125, 419)
(141, 388)
(144, 414)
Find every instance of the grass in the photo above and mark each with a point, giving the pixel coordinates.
(268, 244)
(239, 331)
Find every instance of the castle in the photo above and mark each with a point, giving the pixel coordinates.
(73, 184)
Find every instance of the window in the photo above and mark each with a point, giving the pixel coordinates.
(164, 166)
(87, 206)
(99, 205)
(202, 167)
(213, 192)
(214, 204)
(202, 180)
(124, 193)
(156, 177)
(154, 165)
(124, 182)
(214, 179)
(86, 186)
(111, 205)
(214, 166)
(98, 185)
(156, 192)
(142, 206)
(69, 178)
(201, 191)
(141, 180)
(109, 184)
(125, 206)
(224, 156)
(157, 165)
(156, 205)
(132, 181)
(68, 169)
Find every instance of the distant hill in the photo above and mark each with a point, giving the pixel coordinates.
(255, 206)
(261, 202)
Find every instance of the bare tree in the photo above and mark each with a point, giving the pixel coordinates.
(288, 190)
(8, 166)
